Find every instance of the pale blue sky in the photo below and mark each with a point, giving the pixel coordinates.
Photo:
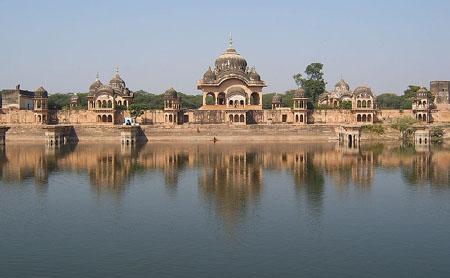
(158, 44)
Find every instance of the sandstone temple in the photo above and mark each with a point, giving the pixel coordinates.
(232, 94)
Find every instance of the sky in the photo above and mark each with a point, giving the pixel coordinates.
(61, 45)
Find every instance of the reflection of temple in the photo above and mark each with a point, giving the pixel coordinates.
(231, 182)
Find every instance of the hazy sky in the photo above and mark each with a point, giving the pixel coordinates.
(158, 44)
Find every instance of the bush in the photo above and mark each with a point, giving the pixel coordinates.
(402, 124)
(437, 135)
(376, 129)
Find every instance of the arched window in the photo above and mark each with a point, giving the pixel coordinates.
(109, 119)
(221, 98)
(358, 118)
(125, 103)
(424, 117)
(358, 104)
(369, 104)
(236, 118)
(119, 102)
(104, 104)
(109, 104)
(369, 118)
(210, 98)
(364, 104)
(170, 118)
(254, 99)
(99, 104)
(242, 118)
(99, 118)
(296, 118)
(420, 117)
(242, 102)
(230, 102)
(231, 118)
(301, 118)
(364, 118)
(104, 119)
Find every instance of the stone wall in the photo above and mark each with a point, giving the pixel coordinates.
(15, 116)
(333, 117)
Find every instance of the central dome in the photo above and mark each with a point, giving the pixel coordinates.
(231, 60)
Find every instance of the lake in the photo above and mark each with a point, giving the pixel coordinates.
(224, 210)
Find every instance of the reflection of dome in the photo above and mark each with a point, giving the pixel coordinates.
(231, 60)
(209, 75)
(41, 92)
(364, 92)
(422, 93)
(276, 99)
(170, 94)
(341, 86)
(299, 93)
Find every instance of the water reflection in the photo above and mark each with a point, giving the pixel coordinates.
(230, 177)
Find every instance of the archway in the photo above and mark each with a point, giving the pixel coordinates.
(358, 104)
(358, 118)
(369, 118)
(242, 118)
(109, 104)
(296, 118)
(104, 119)
(364, 104)
(254, 99)
(210, 98)
(236, 118)
(99, 118)
(364, 118)
(301, 118)
(369, 104)
(424, 117)
(231, 118)
(420, 117)
(170, 118)
(221, 98)
(109, 119)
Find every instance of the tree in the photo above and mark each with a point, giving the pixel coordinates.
(313, 83)
(389, 101)
(346, 104)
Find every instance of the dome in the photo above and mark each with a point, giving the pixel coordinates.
(422, 93)
(41, 92)
(299, 93)
(276, 99)
(105, 89)
(94, 86)
(364, 92)
(254, 76)
(342, 86)
(170, 94)
(231, 60)
(209, 75)
(116, 82)
(74, 98)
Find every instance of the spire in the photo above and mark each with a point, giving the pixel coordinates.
(117, 70)
(230, 40)
(97, 77)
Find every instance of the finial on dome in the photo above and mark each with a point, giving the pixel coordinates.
(230, 40)
(117, 70)
(97, 77)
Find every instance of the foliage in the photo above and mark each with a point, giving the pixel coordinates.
(376, 129)
(59, 101)
(267, 100)
(402, 124)
(389, 101)
(313, 83)
(346, 104)
(437, 135)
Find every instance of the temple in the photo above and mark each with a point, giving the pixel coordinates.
(232, 94)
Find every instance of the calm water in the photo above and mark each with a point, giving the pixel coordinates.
(224, 210)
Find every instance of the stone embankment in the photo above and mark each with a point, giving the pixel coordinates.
(193, 132)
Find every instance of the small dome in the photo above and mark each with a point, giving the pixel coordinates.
(116, 82)
(276, 99)
(170, 94)
(94, 86)
(41, 92)
(209, 75)
(74, 98)
(422, 93)
(299, 93)
(254, 76)
(342, 86)
(364, 92)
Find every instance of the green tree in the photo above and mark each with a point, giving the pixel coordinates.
(346, 104)
(389, 101)
(58, 101)
(313, 83)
